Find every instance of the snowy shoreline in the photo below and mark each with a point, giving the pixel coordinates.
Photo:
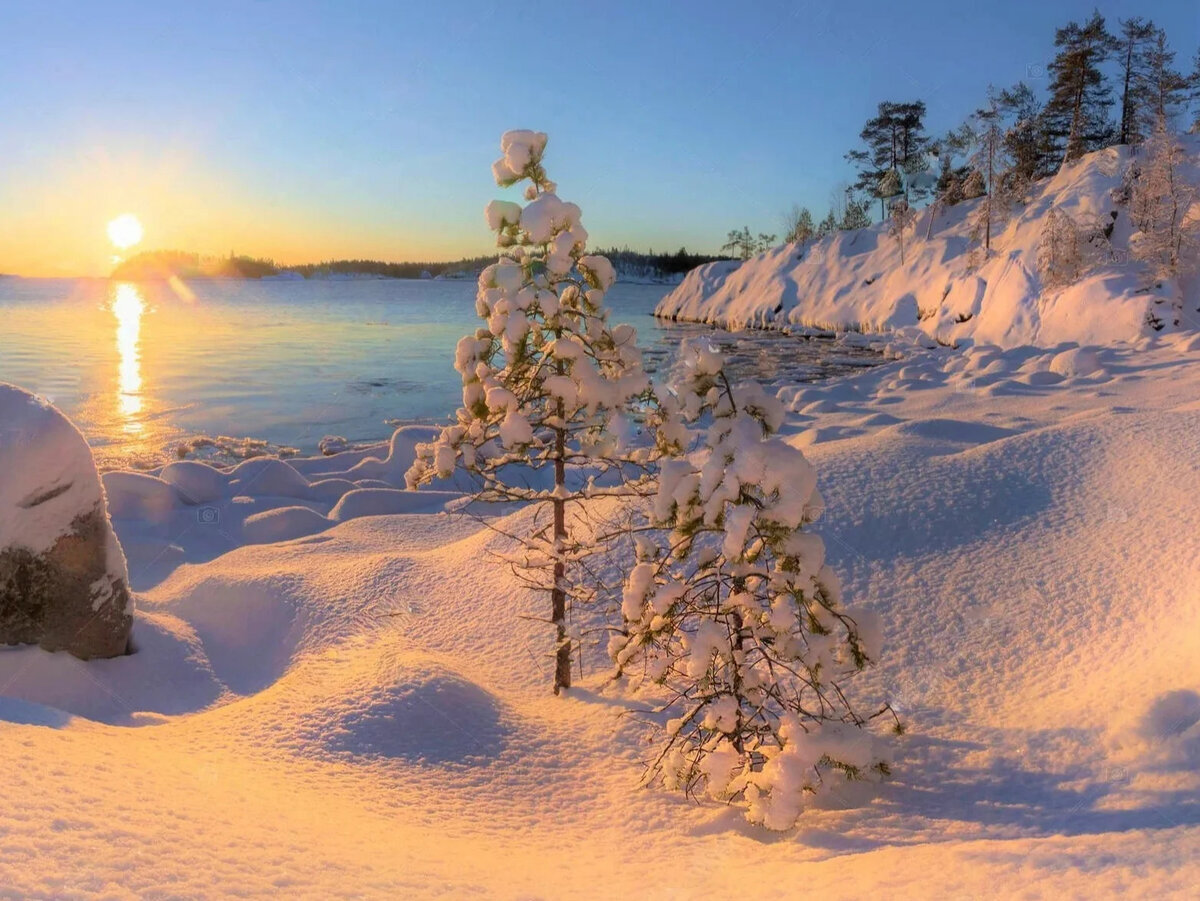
(856, 280)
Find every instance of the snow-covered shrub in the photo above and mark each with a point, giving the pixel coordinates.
(1161, 202)
(1059, 260)
(549, 386)
(734, 620)
(974, 185)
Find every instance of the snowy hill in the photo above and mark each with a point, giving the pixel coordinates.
(855, 280)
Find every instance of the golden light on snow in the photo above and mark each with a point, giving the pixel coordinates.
(125, 231)
(127, 307)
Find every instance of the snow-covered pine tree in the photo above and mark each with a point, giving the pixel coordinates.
(951, 177)
(1058, 259)
(902, 217)
(889, 185)
(893, 139)
(1161, 205)
(974, 185)
(734, 621)
(549, 385)
(987, 160)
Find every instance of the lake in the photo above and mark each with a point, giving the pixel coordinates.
(142, 368)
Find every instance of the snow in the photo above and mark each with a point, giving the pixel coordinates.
(51, 458)
(195, 483)
(363, 710)
(855, 280)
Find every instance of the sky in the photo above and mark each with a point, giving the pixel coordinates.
(306, 131)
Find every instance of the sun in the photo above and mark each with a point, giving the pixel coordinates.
(125, 231)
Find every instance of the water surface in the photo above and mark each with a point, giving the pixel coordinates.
(143, 368)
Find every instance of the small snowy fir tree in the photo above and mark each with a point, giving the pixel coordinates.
(1162, 202)
(549, 387)
(902, 217)
(1059, 260)
(734, 621)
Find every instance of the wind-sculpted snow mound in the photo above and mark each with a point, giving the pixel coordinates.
(413, 709)
(855, 280)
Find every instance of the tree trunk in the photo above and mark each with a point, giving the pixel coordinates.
(1125, 111)
(558, 595)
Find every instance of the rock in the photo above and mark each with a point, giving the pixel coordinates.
(63, 579)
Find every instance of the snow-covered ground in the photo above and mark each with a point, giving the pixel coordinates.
(856, 280)
(326, 702)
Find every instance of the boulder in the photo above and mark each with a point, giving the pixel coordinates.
(63, 579)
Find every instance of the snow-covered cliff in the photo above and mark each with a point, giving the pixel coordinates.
(855, 280)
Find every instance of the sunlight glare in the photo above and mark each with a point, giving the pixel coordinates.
(125, 231)
(127, 307)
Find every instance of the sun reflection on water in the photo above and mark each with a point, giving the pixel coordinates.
(127, 307)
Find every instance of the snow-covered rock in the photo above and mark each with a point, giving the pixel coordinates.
(63, 579)
(855, 280)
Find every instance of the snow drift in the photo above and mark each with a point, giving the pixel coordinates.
(854, 280)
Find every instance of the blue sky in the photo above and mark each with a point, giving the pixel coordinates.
(367, 128)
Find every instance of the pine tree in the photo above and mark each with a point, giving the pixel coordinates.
(828, 225)
(549, 387)
(1194, 91)
(856, 215)
(1026, 140)
(741, 244)
(1165, 89)
(1135, 38)
(798, 225)
(988, 160)
(734, 620)
(1076, 115)
(1169, 236)
(949, 188)
(895, 141)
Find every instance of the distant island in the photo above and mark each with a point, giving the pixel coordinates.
(164, 264)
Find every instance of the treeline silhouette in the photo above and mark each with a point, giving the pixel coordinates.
(160, 264)
(163, 264)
